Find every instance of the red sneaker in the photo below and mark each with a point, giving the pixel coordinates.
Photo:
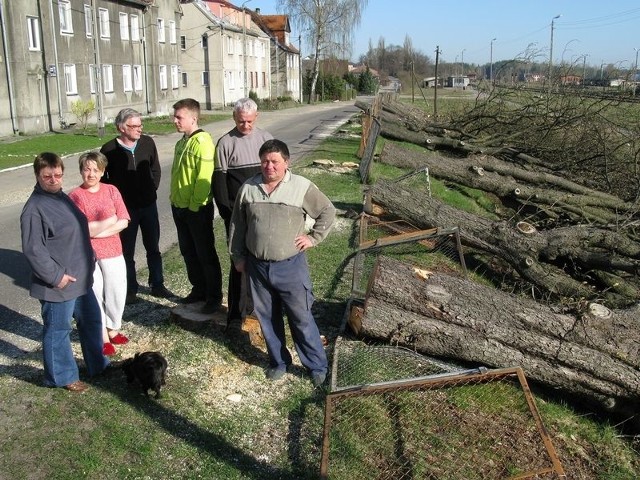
(119, 339)
(108, 349)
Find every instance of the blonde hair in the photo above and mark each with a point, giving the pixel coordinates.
(98, 157)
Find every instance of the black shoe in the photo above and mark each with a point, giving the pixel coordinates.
(318, 378)
(234, 323)
(192, 298)
(210, 306)
(275, 373)
(160, 291)
(131, 298)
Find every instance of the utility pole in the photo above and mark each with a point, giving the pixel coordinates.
(244, 45)
(635, 73)
(491, 61)
(98, 72)
(435, 89)
(413, 76)
(551, 50)
(462, 67)
(300, 66)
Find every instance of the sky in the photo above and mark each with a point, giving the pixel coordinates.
(605, 31)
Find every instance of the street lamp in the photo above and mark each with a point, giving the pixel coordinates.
(300, 66)
(462, 66)
(584, 69)
(244, 44)
(491, 61)
(635, 77)
(551, 49)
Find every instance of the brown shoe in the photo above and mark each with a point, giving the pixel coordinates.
(77, 387)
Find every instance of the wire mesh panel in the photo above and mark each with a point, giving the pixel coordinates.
(358, 363)
(367, 156)
(465, 425)
(438, 249)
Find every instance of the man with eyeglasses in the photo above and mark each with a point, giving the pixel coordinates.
(134, 168)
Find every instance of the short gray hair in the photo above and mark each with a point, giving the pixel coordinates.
(124, 115)
(245, 105)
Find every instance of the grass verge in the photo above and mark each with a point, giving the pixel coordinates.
(16, 151)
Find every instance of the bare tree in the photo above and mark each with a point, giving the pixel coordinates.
(408, 54)
(327, 26)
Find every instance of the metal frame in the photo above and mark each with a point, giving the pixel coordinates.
(436, 382)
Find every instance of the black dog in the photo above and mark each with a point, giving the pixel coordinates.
(149, 368)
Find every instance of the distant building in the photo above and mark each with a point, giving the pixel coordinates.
(119, 53)
(570, 80)
(458, 81)
(358, 69)
(285, 57)
(430, 82)
(224, 54)
(144, 54)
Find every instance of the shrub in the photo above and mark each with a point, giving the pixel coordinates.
(82, 111)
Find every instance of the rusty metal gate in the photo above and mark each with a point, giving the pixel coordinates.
(440, 422)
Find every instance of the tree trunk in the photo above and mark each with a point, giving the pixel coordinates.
(547, 259)
(595, 356)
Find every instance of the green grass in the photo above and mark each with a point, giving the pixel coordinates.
(16, 151)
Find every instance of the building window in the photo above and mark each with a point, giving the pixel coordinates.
(264, 79)
(135, 28)
(230, 44)
(205, 78)
(183, 42)
(161, 37)
(163, 77)
(107, 78)
(92, 78)
(105, 29)
(175, 77)
(172, 32)
(127, 80)
(88, 21)
(33, 30)
(137, 78)
(64, 10)
(184, 79)
(232, 80)
(70, 82)
(124, 26)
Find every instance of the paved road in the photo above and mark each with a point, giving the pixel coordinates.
(20, 325)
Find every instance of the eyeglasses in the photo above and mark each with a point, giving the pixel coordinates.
(139, 126)
(57, 176)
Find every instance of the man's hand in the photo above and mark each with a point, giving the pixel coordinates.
(303, 242)
(66, 279)
(240, 264)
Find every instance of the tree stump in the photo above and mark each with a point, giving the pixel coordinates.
(189, 317)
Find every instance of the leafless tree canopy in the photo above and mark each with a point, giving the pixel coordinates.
(564, 164)
(327, 26)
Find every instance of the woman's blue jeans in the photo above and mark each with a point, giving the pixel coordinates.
(60, 367)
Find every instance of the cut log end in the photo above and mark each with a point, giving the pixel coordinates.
(526, 228)
(355, 319)
(599, 311)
